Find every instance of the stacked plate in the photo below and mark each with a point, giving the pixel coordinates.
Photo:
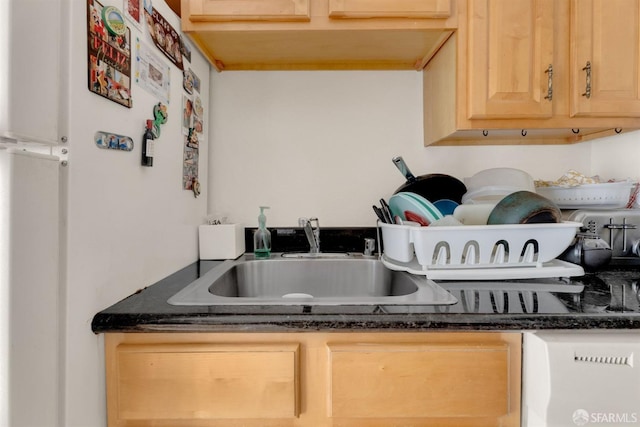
(413, 207)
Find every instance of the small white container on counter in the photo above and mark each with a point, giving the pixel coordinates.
(221, 241)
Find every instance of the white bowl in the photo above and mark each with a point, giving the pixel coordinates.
(491, 185)
(609, 195)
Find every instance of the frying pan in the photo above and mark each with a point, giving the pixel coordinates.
(433, 186)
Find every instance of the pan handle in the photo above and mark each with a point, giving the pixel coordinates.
(403, 168)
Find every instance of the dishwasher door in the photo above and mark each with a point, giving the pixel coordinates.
(581, 378)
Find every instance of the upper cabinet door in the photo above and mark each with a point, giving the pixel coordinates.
(605, 58)
(249, 10)
(510, 54)
(389, 8)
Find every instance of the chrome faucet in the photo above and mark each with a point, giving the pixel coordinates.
(313, 234)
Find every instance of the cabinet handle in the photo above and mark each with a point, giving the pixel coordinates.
(587, 91)
(549, 72)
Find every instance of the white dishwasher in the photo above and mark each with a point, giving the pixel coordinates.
(586, 378)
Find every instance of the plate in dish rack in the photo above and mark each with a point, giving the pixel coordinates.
(405, 201)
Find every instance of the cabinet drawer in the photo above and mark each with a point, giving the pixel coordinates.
(430, 380)
(389, 8)
(205, 381)
(249, 10)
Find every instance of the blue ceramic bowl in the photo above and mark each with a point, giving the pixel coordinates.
(445, 206)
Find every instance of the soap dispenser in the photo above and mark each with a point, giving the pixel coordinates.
(262, 237)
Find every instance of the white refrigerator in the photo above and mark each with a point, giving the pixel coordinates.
(30, 339)
(109, 226)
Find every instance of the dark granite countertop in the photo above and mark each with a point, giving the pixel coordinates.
(609, 300)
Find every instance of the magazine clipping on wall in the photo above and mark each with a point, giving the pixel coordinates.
(133, 13)
(109, 53)
(163, 35)
(192, 126)
(190, 81)
(152, 72)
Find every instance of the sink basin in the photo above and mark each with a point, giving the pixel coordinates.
(310, 281)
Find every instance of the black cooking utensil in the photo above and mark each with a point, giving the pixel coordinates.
(433, 186)
(386, 210)
(379, 213)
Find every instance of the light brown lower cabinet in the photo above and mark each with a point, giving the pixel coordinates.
(313, 379)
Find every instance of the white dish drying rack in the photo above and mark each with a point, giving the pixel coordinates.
(480, 252)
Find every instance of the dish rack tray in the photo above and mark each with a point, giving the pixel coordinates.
(479, 252)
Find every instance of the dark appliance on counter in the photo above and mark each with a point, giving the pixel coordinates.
(619, 228)
(615, 287)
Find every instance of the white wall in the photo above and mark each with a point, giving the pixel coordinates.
(128, 226)
(617, 156)
(321, 143)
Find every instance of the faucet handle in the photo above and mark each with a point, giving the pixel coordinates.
(369, 246)
(313, 235)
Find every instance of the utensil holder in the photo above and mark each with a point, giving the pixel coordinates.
(222, 241)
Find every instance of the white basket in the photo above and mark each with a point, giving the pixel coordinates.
(397, 242)
(608, 195)
(479, 246)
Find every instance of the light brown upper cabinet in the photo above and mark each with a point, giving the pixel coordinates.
(250, 10)
(515, 71)
(389, 8)
(318, 34)
(605, 58)
(510, 50)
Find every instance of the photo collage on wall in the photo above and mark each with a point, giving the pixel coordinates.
(192, 127)
(110, 73)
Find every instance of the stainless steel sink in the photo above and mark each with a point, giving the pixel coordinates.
(353, 280)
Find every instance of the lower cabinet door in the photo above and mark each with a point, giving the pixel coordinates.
(205, 381)
(448, 383)
(313, 379)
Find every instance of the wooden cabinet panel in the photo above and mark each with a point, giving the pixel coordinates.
(389, 8)
(510, 48)
(249, 10)
(313, 379)
(419, 380)
(605, 34)
(311, 35)
(205, 381)
(489, 83)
